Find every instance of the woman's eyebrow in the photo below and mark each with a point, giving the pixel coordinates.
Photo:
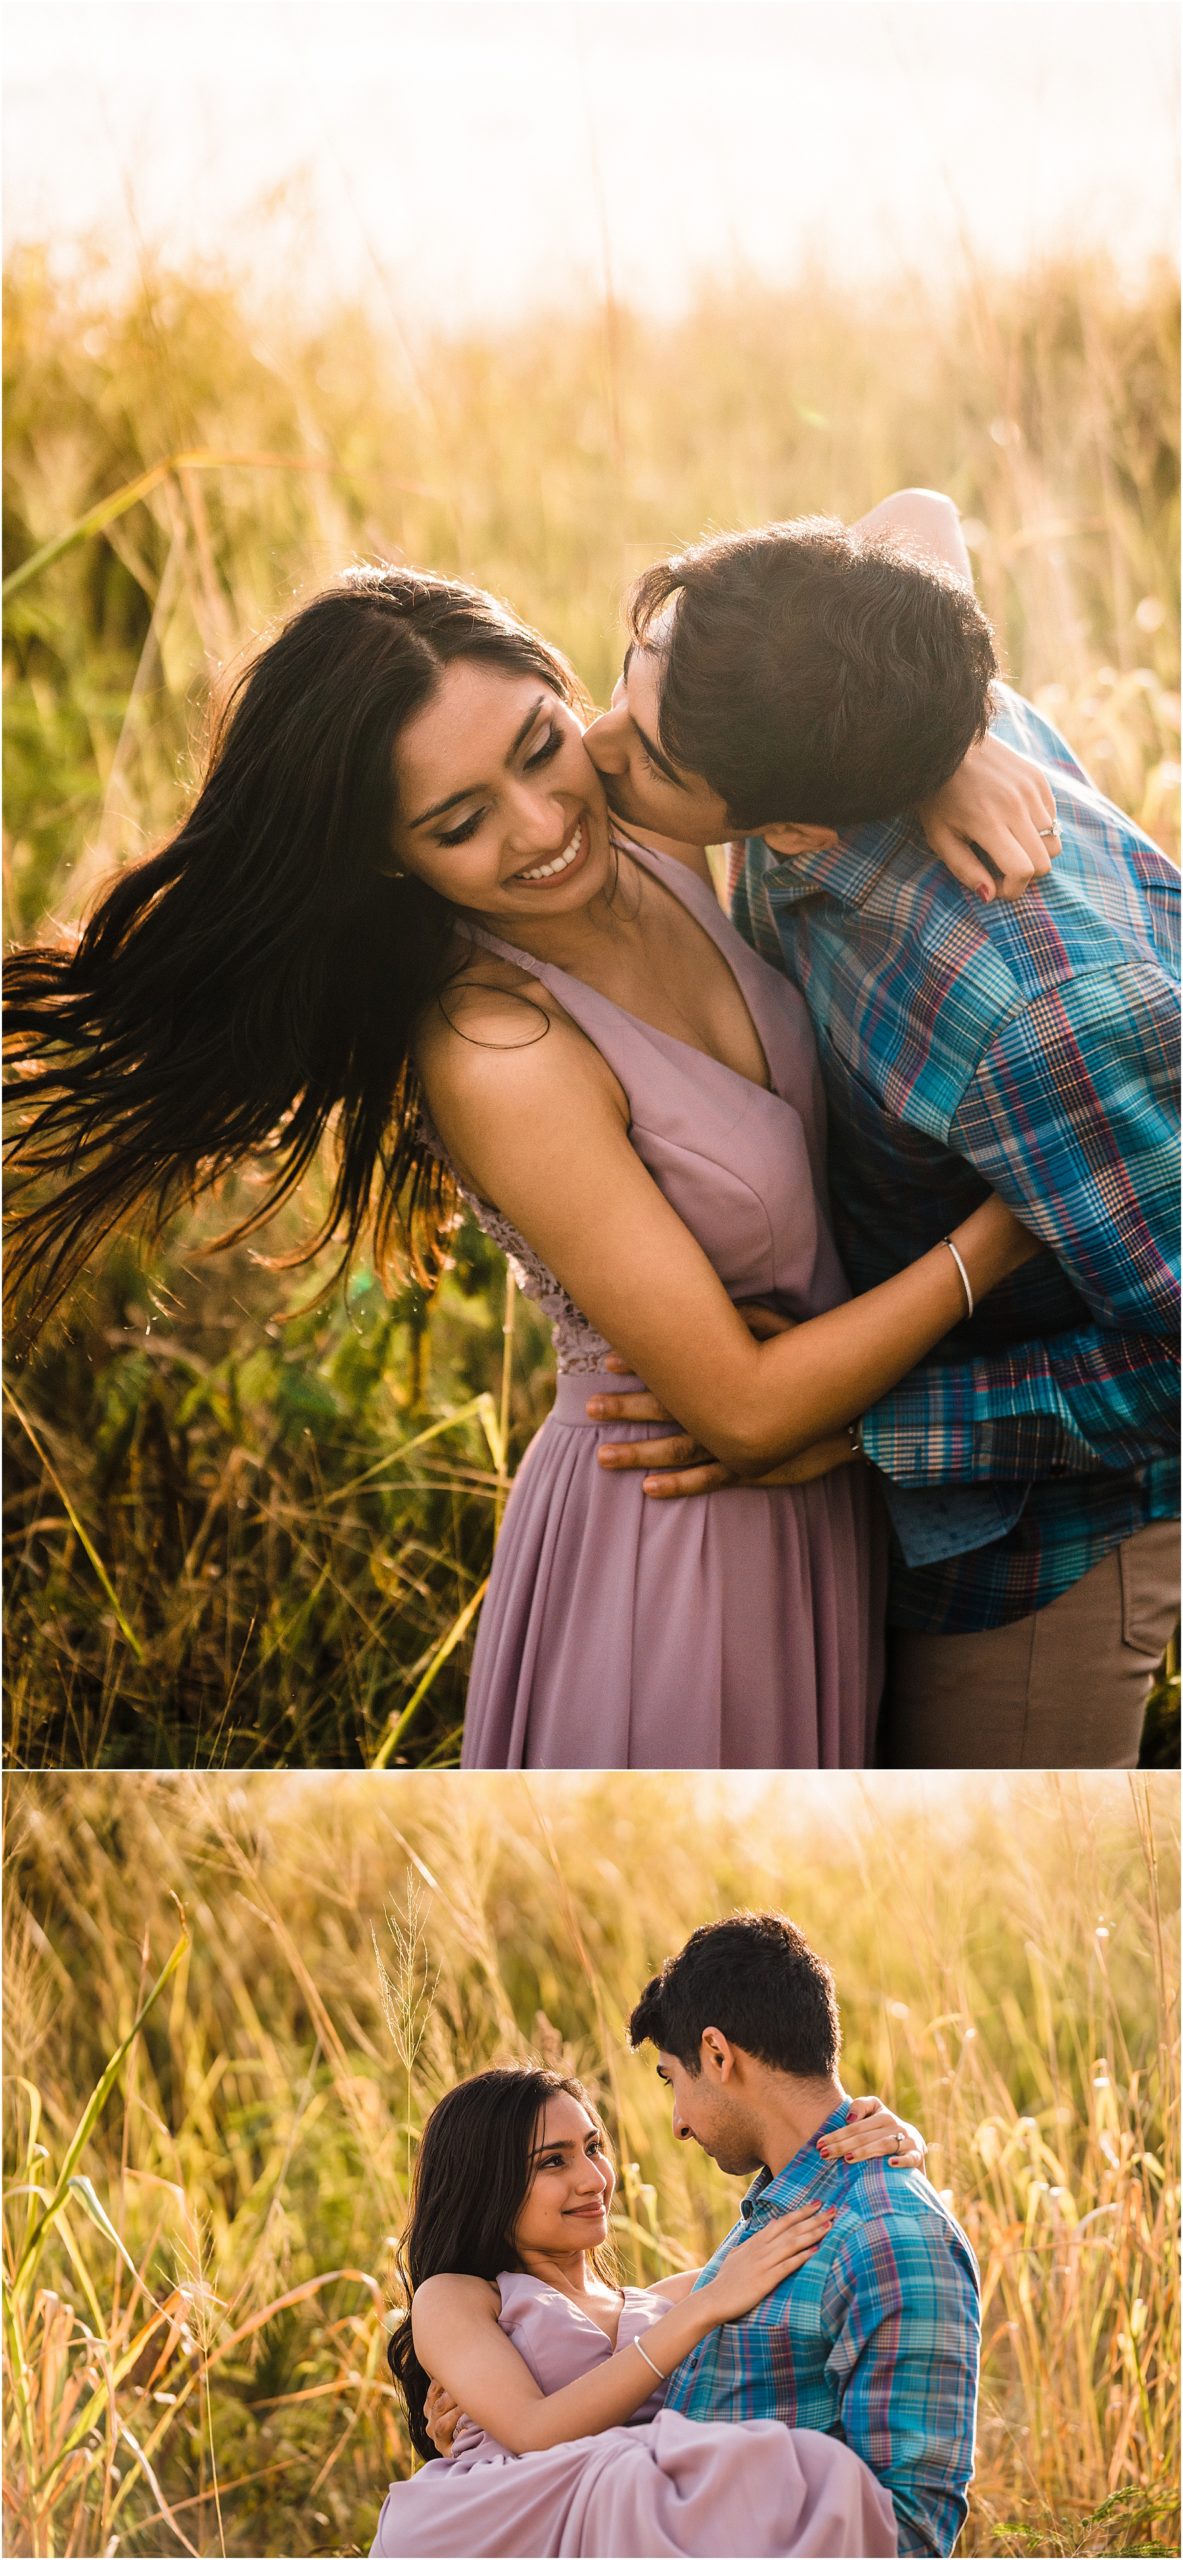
(455, 797)
(544, 2147)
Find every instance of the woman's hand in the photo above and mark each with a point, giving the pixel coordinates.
(441, 2414)
(1002, 802)
(872, 2132)
(756, 2267)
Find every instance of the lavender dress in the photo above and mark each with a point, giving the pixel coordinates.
(663, 2483)
(741, 1629)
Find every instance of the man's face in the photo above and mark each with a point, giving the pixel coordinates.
(707, 2110)
(642, 785)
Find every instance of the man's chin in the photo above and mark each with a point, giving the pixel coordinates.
(734, 2164)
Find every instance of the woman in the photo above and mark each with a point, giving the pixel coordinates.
(399, 906)
(563, 2445)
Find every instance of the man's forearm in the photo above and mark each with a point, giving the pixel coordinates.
(1086, 1403)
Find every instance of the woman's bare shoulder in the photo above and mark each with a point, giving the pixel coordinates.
(449, 2295)
(486, 1003)
(495, 1031)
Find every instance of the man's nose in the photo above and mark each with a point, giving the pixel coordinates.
(681, 2131)
(606, 741)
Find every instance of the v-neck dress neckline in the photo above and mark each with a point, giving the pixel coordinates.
(672, 877)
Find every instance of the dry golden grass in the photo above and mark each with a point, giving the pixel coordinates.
(217, 1553)
(231, 2002)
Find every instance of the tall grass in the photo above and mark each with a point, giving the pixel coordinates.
(230, 2004)
(230, 1537)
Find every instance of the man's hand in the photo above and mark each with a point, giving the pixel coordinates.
(441, 2416)
(683, 1467)
(1002, 802)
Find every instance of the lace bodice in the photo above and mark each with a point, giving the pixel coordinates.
(577, 1345)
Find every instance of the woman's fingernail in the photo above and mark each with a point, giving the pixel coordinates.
(985, 894)
(595, 1406)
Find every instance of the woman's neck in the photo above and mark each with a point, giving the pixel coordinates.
(578, 941)
(568, 2269)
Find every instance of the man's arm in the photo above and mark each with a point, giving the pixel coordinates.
(1073, 1117)
(901, 2309)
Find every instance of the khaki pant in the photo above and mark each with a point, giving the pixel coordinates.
(1063, 1689)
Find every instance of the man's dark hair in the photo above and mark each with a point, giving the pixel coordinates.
(814, 675)
(759, 1983)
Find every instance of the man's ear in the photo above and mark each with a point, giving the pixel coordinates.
(788, 838)
(716, 2056)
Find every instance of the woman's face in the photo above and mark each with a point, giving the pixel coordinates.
(572, 2182)
(499, 807)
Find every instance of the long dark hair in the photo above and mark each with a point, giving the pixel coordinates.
(258, 978)
(471, 2181)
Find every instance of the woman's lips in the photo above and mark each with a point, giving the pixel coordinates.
(547, 875)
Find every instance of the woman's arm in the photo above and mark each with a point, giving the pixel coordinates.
(997, 798)
(458, 2341)
(675, 2288)
(542, 1131)
(926, 521)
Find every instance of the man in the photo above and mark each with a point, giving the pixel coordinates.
(875, 2339)
(1029, 1046)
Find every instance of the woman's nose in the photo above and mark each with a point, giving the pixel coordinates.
(540, 823)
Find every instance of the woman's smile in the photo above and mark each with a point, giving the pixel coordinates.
(540, 874)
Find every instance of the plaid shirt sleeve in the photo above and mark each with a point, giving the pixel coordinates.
(902, 2310)
(1072, 1115)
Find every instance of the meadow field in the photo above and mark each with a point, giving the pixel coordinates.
(230, 2002)
(251, 1516)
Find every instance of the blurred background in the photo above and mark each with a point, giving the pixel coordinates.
(229, 2004)
(527, 294)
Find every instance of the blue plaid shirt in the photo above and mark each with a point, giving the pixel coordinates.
(874, 2339)
(1032, 1048)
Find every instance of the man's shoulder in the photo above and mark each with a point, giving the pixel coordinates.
(900, 2210)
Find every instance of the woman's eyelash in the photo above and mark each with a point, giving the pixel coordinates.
(542, 755)
(467, 828)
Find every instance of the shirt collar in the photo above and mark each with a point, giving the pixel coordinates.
(797, 2172)
(848, 870)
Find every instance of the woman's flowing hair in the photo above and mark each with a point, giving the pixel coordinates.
(257, 979)
(471, 2181)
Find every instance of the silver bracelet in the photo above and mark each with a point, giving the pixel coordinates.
(653, 2368)
(969, 1295)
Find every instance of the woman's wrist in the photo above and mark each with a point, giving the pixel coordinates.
(992, 1244)
(702, 2313)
